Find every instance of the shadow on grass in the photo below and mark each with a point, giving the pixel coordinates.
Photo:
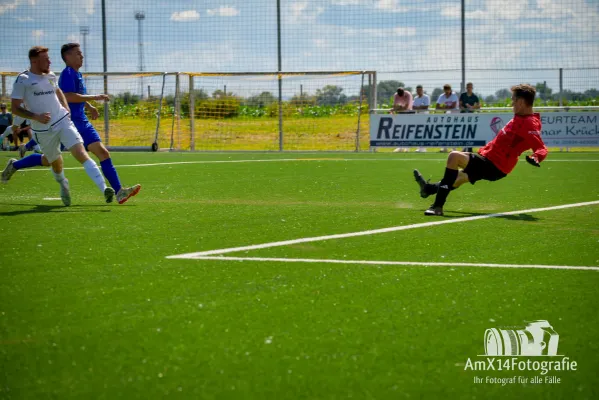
(515, 217)
(44, 208)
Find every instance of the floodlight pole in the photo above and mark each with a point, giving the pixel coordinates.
(105, 67)
(140, 16)
(84, 30)
(463, 89)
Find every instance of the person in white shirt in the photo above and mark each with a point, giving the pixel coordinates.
(420, 104)
(48, 111)
(449, 101)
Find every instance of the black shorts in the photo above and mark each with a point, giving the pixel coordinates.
(22, 135)
(480, 167)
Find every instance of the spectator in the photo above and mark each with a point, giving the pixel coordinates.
(421, 102)
(448, 100)
(468, 100)
(5, 121)
(402, 102)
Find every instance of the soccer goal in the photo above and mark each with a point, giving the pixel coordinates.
(268, 111)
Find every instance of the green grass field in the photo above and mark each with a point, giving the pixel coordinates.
(90, 307)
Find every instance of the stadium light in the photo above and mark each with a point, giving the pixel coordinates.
(140, 16)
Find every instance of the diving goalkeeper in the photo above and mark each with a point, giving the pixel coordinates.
(497, 158)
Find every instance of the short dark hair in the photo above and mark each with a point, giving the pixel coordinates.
(524, 91)
(469, 83)
(36, 51)
(400, 91)
(2, 105)
(419, 87)
(66, 48)
(447, 86)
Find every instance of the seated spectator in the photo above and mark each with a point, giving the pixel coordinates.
(421, 102)
(468, 100)
(448, 100)
(402, 102)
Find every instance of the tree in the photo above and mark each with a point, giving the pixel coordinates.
(503, 94)
(385, 90)
(127, 98)
(264, 99)
(490, 99)
(592, 93)
(543, 91)
(330, 95)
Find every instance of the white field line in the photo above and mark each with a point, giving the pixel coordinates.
(279, 160)
(402, 263)
(374, 231)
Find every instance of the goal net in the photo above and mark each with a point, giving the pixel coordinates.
(235, 111)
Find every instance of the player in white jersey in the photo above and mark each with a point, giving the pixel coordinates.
(48, 111)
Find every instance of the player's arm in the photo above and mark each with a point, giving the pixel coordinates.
(533, 138)
(17, 109)
(73, 97)
(93, 111)
(62, 99)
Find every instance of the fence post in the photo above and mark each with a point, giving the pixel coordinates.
(280, 66)
(360, 113)
(3, 85)
(178, 107)
(192, 109)
(561, 87)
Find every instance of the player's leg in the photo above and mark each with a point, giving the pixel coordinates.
(455, 161)
(122, 193)
(94, 144)
(74, 143)
(58, 172)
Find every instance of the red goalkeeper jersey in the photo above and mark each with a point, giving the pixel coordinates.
(520, 134)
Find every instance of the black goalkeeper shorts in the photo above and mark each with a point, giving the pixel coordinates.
(480, 167)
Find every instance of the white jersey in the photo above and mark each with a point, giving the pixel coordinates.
(17, 120)
(38, 93)
(421, 101)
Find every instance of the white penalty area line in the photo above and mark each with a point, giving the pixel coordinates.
(399, 263)
(279, 160)
(201, 254)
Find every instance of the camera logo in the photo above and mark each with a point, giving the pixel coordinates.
(496, 125)
(538, 338)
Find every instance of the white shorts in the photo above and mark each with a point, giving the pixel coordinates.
(63, 131)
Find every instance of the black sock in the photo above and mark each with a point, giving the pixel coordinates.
(445, 186)
(432, 188)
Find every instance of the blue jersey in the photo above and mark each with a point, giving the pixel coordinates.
(71, 81)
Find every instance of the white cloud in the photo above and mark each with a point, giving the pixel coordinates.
(301, 11)
(223, 11)
(89, 6)
(391, 6)
(24, 19)
(183, 16)
(37, 33)
(321, 43)
(349, 2)
(8, 6)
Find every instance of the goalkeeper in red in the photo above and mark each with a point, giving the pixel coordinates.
(495, 160)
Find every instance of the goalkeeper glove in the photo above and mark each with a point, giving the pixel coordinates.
(532, 161)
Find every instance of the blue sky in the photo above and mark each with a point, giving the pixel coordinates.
(384, 35)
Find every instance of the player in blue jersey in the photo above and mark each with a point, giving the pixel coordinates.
(73, 86)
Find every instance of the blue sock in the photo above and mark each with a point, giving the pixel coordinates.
(110, 173)
(32, 160)
(30, 145)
